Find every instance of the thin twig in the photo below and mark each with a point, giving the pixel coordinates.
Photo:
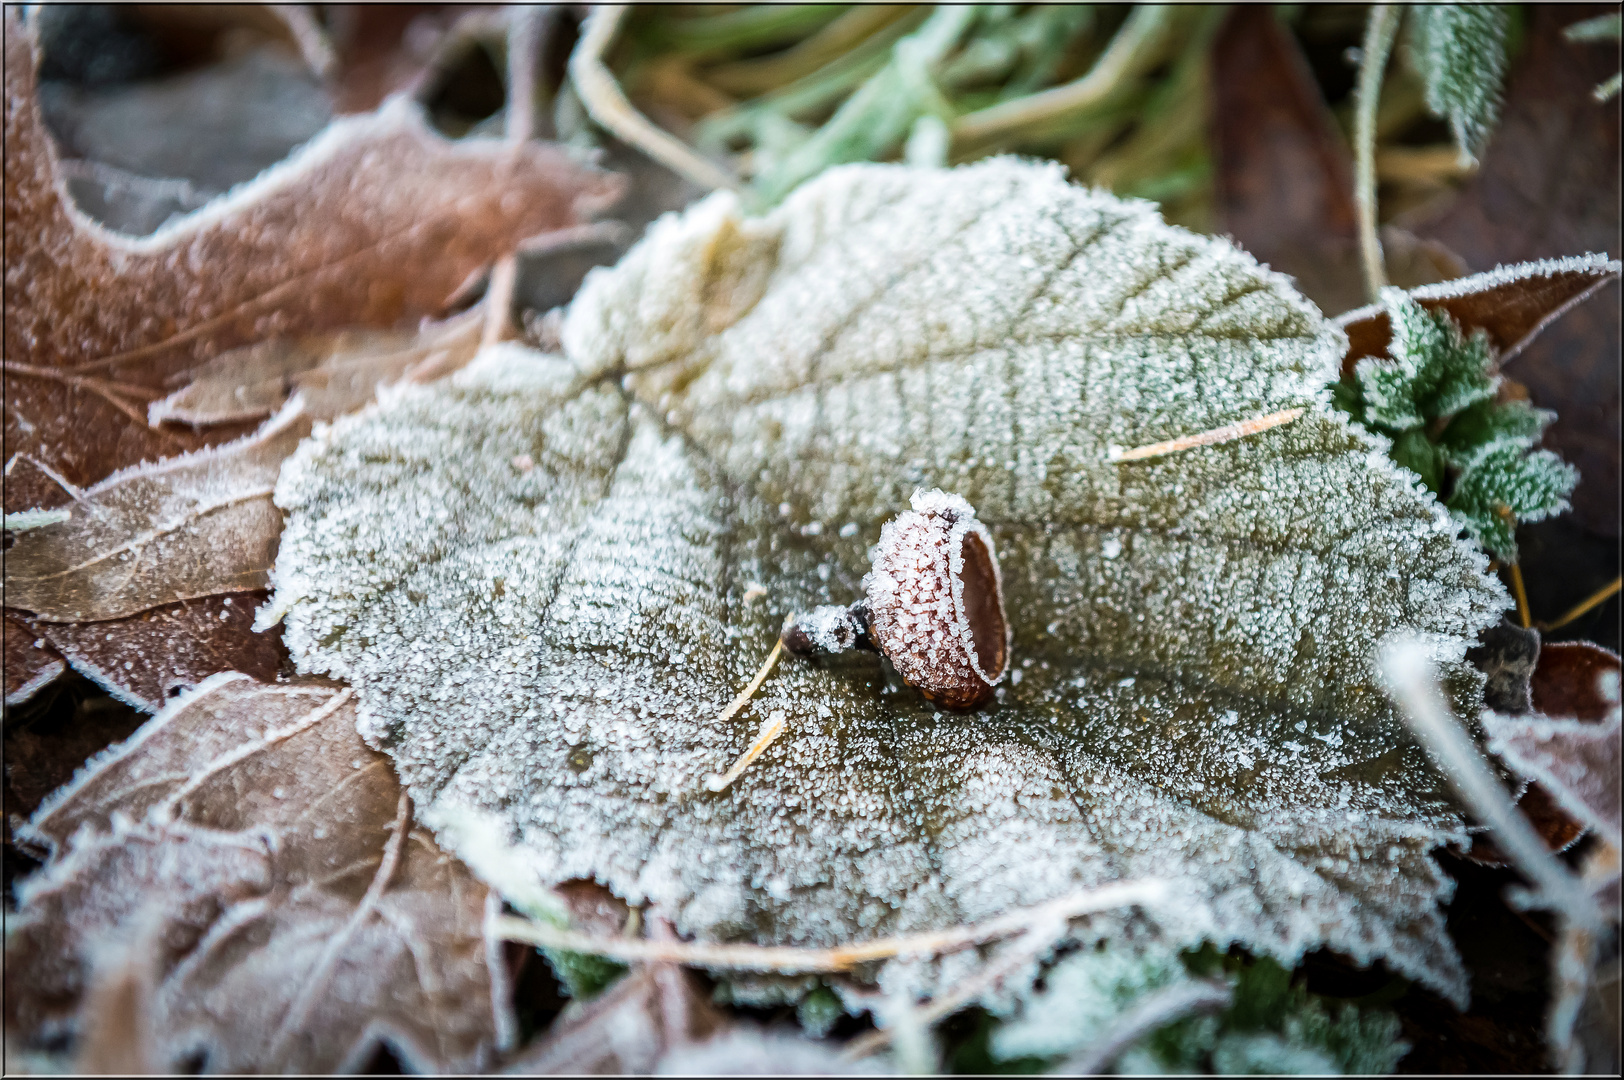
(607, 105)
(1159, 1009)
(1600, 596)
(1412, 682)
(1228, 433)
(792, 960)
(1032, 946)
(1379, 34)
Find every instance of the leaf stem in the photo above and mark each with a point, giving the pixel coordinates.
(1521, 594)
(1600, 596)
(607, 105)
(1379, 34)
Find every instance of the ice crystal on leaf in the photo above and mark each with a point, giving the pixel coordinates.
(544, 579)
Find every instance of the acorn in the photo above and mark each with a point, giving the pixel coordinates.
(934, 605)
(934, 608)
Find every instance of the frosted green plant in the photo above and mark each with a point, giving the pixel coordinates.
(1271, 1025)
(1460, 51)
(546, 577)
(1434, 397)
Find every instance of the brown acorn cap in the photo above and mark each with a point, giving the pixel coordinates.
(936, 601)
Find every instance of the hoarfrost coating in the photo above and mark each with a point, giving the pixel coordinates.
(544, 647)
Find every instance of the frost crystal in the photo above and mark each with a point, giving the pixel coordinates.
(547, 644)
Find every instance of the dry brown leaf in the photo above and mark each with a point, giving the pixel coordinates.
(305, 917)
(384, 49)
(335, 373)
(1565, 681)
(184, 527)
(376, 221)
(626, 1029)
(149, 658)
(31, 663)
(1283, 177)
(1511, 303)
(1577, 761)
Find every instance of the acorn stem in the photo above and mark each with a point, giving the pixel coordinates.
(770, 730)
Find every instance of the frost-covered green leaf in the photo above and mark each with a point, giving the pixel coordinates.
(1083, 996)
(1271, 1026)
(1460, 51)
(1508, 484)
(1434, 397)
(546, 576)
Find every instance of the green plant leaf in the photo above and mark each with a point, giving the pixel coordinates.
(547, 575)
(1506, 479)
(1460, 51)
(1488, 425)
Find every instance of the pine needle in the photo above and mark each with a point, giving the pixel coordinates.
(1227, 433)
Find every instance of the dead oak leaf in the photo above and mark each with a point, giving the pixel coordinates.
(150, 658)
(1512, 304)
(375, 221)
(305, 917)
(336, 372)
(177, 529)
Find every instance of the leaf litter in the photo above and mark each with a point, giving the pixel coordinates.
(299, 914)
(742, 404)
(375, 222)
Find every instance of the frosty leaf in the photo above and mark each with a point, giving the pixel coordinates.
(334, 373)
(1549, 185)
(1083, 994)
(30, 662)
(1460, 50)
(1433, 376)
(375, 221)
(1511, 304)
(624, 1031)
(1577, 761)
(149, 658)
(1269, 1025)
(188, 526)
(304, 916)
(1490, 425)
(1570, 679)
(544, 576)
(1506, 485)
